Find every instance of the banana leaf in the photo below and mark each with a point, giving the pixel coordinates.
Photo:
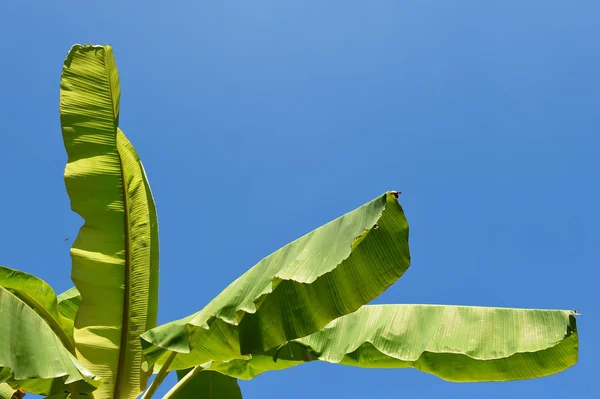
(68, 304)
(295, 291)
(456, 343)
(39, 296)
(115, 255)
(192, 383)
(206, 384)
(32, 356)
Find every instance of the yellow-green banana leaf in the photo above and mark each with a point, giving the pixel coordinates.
(295, 291)
(456, 343)
(115, 255)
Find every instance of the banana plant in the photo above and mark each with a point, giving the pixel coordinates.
(305, 302)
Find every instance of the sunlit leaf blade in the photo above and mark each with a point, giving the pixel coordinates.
(295, 291)
(456, 343)
(39, 296)
(198, 383)
(115, 255)
(32, 357)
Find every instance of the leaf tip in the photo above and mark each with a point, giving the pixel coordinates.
(83, 48)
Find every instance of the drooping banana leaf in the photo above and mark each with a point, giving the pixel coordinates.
(32, 356)
(115, 255)
(295, 291)
(456, 343)
(198, 383)
(39, 296)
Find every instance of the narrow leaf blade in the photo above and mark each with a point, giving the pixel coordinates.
(115, 255)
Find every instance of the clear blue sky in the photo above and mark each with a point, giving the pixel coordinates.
(258, 121)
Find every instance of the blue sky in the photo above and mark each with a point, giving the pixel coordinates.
(258, 121)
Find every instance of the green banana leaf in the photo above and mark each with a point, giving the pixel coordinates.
(32, 357)
(199, 383)
(39, 296)
(68, 304)
(456, 343)
(205, 384)
(6, 392)
(293, 292)
(115, 255)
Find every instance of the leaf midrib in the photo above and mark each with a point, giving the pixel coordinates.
(127, 291)
(51, 321)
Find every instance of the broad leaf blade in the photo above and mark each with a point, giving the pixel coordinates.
(205, 384)
(456, 343)
(32, 357)
(39, 296)
(295, 291)
(115, 255)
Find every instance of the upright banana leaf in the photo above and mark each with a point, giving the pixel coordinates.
(205, 384)
(115, 255)
(456, 343)
(32, 356)
(295, 291)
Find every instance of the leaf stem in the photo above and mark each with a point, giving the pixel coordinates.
(162, 373)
